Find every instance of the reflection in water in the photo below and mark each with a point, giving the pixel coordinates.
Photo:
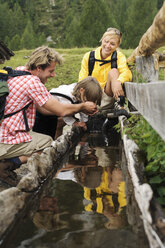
(47, 216)
(83, 206)
(103, 186)
(109, 198)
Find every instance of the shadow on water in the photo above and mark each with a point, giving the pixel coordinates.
(85, 203)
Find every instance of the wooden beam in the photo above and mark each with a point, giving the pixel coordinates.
(162, 64)
(149, 100)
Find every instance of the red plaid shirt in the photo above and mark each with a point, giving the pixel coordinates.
(22, 90)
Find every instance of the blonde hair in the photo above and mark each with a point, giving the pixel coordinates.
(93, 91)
(43, 56)
(112, 32)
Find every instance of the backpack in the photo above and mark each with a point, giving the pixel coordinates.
(6, 74)
(91, 61)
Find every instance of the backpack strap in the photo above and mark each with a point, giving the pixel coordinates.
(24, 115)
(15, 73)
(92, 60)
(63, 95)
(114, 60)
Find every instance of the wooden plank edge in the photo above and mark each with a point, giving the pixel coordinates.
(143, 192)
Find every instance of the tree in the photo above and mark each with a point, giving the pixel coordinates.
(14, 44)
(160, 3)
(94, 21)
(6, 23)
(72, 34)
(28, 38)
(40, 39)
(71, 25)
(77, 23)
(138, 21)
(119, 9)
(19, 20)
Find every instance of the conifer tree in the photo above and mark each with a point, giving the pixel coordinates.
(5, 21)
(59, 16)
(94, 21)
(71, 37)
(28, 37)
(72, 34)
(119, 9)
(160, 3)
(40, 39)
(140, 17)
(14, 44)
(18, 19)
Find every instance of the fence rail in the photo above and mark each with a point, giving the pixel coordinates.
(149, 100)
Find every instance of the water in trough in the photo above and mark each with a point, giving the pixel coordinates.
(85, 204)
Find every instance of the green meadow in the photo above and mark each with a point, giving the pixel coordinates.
(68, 72)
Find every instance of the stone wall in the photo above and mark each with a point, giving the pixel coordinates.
(39, 168)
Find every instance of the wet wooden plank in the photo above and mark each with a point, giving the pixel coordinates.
(149, 100)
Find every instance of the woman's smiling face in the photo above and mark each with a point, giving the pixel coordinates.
(109, 45)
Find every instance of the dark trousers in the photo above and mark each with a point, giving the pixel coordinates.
(45, 124)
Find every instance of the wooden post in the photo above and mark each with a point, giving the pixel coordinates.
(146, 67)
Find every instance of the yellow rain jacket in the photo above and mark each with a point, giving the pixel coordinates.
(104, 190)
(101, 72)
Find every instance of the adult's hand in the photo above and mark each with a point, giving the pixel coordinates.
(117, 89)
(89, 108)
(53, 106)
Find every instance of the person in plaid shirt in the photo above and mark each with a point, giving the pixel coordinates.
(17, 140)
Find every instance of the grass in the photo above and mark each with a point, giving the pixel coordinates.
(69, 71)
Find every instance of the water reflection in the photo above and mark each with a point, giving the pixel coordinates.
(48, 217)
(83, 206)
(108, 198)
(102, 182)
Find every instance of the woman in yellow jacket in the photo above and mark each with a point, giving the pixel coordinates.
(108, 198)
(107, 190)
(111, 80)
